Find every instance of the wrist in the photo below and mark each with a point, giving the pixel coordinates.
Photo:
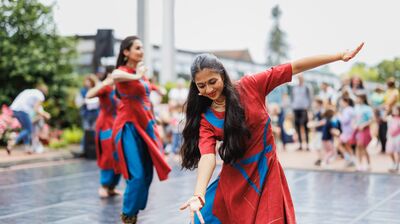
(339, 56)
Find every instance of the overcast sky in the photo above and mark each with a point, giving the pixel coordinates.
(312, 27)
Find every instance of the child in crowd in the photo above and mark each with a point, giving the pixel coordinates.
(176, 126)
(393, 138)
(274, 111)
(289, 129)
(346, 118)
(363, 119)
(317, 124)
(330, 129)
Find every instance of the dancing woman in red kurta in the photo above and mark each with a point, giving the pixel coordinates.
(251, 187)
(135, 133)
(109, 178)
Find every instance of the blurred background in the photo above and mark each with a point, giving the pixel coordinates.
(62, 43)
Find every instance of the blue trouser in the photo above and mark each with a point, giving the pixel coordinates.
(109, 179)
(140, 168)
(26, 124)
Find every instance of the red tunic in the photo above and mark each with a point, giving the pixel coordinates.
(253, 190)
(104, 124)
(135, 107)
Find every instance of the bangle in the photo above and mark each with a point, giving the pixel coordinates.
(200, 199)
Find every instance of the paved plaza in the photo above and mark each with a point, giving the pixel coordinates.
(66, 192)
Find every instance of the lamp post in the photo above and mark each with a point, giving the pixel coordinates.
(168, 72)
(143, 23)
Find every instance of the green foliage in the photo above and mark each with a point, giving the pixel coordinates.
(365, 72)
(389, 68)
(31, 51)
(378, 73)
(277, 46)
(72, 135)
(57, 143)
(168, 86)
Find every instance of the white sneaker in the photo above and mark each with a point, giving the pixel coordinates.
(394, 169)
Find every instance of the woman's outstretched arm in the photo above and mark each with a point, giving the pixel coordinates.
(99, 85)
(308, 63)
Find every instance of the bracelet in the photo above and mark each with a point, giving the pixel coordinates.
(200, 199)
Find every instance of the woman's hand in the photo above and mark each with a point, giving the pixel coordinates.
(123, 76)
(141, 69)
(195, 203)
(347, 55)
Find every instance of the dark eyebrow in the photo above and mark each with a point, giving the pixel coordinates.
(213, 78)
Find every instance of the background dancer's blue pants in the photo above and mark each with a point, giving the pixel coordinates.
(140, 168)
(108, 178)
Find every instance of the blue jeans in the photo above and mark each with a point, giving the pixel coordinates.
(176, 142)
(26, 125)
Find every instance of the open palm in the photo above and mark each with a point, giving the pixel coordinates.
(346, 56)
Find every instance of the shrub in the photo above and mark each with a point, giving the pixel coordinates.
(72, 135)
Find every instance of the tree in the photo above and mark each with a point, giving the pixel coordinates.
(364, 72)
(31, 52)
(378, 73)
(276, 47)
(389, 68)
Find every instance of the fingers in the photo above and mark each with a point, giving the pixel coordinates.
(143, 70)
(360, 46)
(200, 216)
(349, 55)
(358, 49)
(192, 217)
(140, 64)
(184, 206)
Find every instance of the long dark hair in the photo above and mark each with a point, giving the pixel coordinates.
(348, 100)
(363, 98)
(126, 44)
(235, 129)
(361, 85)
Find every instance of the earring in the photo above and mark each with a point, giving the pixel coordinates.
(125, 58)
(200, 94)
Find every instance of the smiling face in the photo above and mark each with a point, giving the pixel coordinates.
(135, 52)
(209, 83)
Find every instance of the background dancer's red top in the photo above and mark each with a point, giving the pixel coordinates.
(135, 107)
(254, 189)
(104, 124)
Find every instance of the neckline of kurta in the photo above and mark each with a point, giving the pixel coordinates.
(218, 114)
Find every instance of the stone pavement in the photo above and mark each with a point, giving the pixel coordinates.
(290, 159)
(19, 157)
(380, 163)
(66, 192)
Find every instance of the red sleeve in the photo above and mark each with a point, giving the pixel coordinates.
(153, 87)
(103, 91)
(207, 139)
(268, 80)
